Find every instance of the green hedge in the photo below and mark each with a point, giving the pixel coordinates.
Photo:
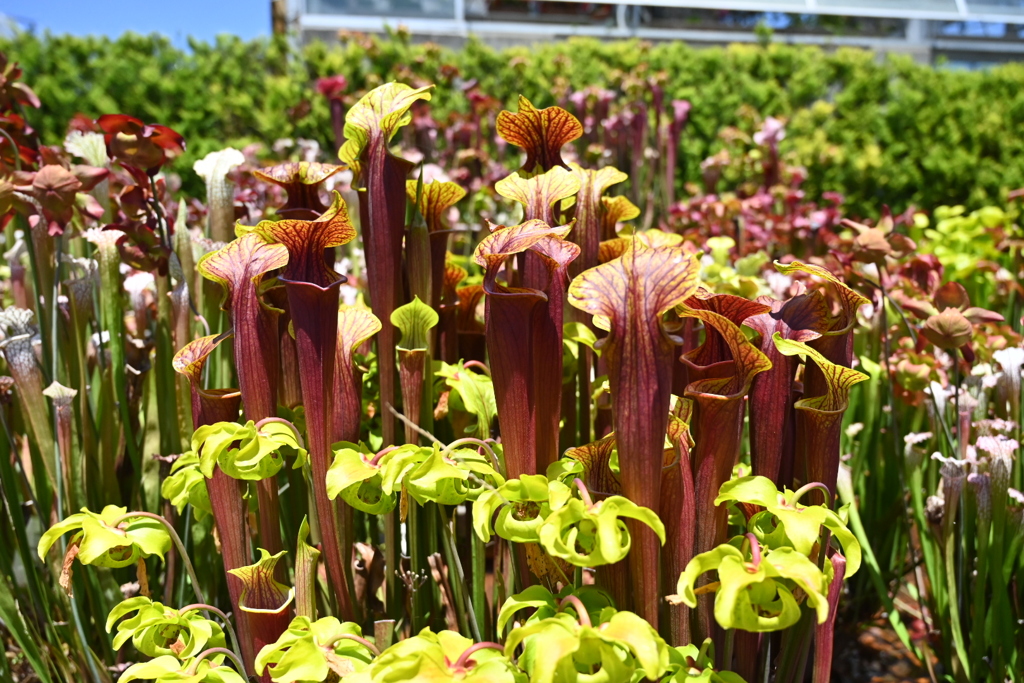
(877, 130)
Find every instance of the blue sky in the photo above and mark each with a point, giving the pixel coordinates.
(175, 18)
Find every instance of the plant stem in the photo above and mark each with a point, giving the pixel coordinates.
(798, 494)
(281, 420)
(227, 623)
(58, 464)
(954, 601)
(216, 651)
(793, 656)
(418, 543)
(14, 149)
(755, 549)
(362, 641)
(476, 442)
(180, 579)
(582, 615)
(392, 555)
(913, 337)
(952, 511)
(908, 516)
(477, 364)
(112, 316)
(956, 407)
(584, 493)
(725, 661)
(933, 557)
(978, 618)
(463, 605)
(1002, 625)
(177, 543)
(464, 658)
(16, 519)
(479, 593)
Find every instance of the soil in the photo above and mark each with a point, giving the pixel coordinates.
(872, 653)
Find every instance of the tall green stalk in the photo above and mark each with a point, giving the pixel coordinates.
(112, 305)
(478, 592)
(457, 580)
(419, 544)
(952, 486)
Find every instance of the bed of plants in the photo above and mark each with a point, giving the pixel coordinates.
(877, 129)
(494, 396)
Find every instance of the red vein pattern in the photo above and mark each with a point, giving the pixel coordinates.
(541, 132)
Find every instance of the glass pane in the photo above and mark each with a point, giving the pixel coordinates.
(658, 16)
(541, 11)
(1006, 7)
(975, 30)
(433, 9)
(895, 5)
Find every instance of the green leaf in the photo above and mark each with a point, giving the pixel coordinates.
(186, 485)
(581, 334)
(167, 669)
(643, 641)
(245, 452)
(756, 595)
(477, 394)
(753, 600)
(306, 559)
(595, 600)
(353, 476)
(754, 490)
(70, 523)
(800, 524)
(535, 597)
(595, 535)
(415, 320)
(522, 506)
(103, 544)
(156, 630)
(449, 480)
(798, 568)
(22, 631)
(433, 658)
(703, 562)
(687, 664)
(560, 640)
(556, 648)
(213, 441)
(311, 650)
